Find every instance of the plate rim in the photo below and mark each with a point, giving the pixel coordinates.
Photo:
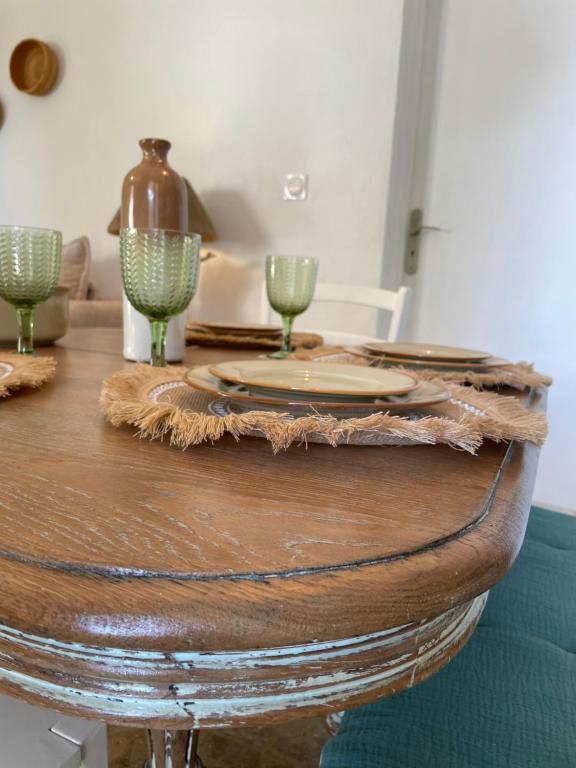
(442, 396)
(499, 362)
(239, 379)
(478, 355)
(221, 327)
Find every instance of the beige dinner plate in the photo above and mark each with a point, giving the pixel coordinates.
(426, 351)
(242, 329)
(425, 394)
(314, 378)
(384, 360)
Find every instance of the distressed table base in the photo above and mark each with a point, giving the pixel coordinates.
(173, 749)
(194, 689)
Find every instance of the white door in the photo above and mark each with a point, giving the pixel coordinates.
(501, 178)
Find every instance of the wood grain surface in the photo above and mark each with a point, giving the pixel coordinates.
(261, 585)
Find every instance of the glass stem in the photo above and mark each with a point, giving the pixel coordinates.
(25, 317)
(158, 334)
(287, 321)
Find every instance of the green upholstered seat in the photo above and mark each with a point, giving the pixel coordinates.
(508, 700)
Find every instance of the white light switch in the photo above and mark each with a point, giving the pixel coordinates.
(295, 186)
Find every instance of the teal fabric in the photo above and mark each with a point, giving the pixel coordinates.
(508, 700)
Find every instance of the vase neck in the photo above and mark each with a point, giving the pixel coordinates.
(155, 149)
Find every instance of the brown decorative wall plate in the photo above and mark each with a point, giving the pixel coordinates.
(33, 67)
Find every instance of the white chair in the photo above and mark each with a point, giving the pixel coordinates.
(395, 302)
(34, 737)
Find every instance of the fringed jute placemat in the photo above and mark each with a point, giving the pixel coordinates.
(161, 405)
(519, 376)
(197, 335)
(24, 371)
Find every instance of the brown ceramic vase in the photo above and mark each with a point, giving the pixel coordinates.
(154, 196)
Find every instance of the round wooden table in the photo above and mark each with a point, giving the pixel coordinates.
(226, 585)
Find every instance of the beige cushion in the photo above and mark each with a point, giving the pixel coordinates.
(98, 313)
(75, 269)
(50, 324)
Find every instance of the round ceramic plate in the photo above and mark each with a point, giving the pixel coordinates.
(426, 351)
(443, 365)
(242, 329)
(315, 378)
(423, 395)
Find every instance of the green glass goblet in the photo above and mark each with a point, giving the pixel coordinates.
(160, 274)
(29, 269)
(290, 284)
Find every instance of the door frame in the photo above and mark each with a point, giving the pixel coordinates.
(413, 127)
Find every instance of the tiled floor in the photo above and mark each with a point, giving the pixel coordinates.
(296, 744)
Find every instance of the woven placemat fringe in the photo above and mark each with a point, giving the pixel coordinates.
(27, 371)
(518, 376)
(501, 417)
(471, 416)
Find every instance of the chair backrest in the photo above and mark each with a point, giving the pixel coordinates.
(395, 302)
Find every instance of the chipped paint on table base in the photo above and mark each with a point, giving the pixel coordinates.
(194, 689)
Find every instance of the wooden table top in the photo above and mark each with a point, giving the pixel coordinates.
(108, 541)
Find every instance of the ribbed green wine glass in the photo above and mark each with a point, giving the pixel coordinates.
(160, 275)
(290, 284)
(29, 269)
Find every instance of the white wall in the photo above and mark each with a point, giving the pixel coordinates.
(502, 180)
(246, 91)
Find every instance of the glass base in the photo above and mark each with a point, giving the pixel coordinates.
(280, 354)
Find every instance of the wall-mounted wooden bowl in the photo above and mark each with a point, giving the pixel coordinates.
(33, 67)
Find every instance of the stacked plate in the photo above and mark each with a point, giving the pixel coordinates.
(416, 356)
(295, 386)
(257, 330)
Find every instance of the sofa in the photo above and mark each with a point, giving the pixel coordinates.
(508, 700)
(85, 310)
